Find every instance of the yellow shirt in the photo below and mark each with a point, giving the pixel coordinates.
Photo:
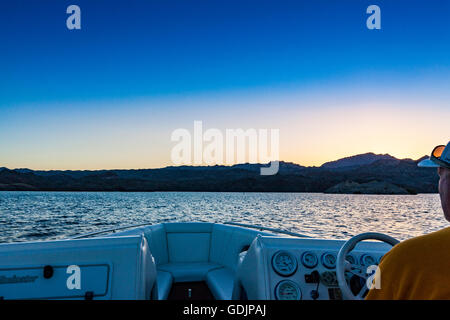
(416, 269)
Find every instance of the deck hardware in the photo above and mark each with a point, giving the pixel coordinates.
(314, 294)
(89, 295)
(48, 272)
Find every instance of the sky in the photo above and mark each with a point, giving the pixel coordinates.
(109, 96)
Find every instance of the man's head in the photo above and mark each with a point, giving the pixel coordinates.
(440, 158)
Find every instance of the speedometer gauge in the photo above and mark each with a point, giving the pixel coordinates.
(329, 260)
(367, 260)
(309, 259)
(287, 290)
(284, 263)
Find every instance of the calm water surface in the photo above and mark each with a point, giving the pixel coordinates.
(28, 216)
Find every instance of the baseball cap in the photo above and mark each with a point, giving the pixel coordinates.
(440, 157)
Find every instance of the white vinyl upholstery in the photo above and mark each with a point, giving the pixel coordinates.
(197, 251)
(221, 239)
(188, 247)
(157, 239)
(188, 272)
(188, 227)
(164, 283)
(227, 242)
(221, 283)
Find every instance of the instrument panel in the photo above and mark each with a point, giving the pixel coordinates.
(309, 273)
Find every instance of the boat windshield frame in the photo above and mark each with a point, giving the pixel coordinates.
(232, 223)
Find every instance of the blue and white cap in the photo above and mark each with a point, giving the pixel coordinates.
(440, 157)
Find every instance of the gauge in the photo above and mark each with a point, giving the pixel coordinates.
(287, 290)
(284, 263)
(350, 259)
(367, 260)
(309, 259)
(329, 260)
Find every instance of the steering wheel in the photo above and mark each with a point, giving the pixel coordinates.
(342, 265)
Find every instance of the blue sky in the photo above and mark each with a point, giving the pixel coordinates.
(175, 61)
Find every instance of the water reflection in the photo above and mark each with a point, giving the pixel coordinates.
(55, 215)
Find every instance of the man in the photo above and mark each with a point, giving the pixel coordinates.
(419, 268)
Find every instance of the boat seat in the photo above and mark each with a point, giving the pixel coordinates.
(187, 272)
(164, 284)
(196, 251)
(221, 283)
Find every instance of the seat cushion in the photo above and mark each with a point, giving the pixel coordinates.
(227, 242)
(188, 247)
(164, 284)
(188, 227)
(186, 272)
(157, 239)
(221, 283)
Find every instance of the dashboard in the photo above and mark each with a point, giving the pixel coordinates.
(304, 268)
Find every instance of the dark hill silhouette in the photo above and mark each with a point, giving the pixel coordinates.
(358, 160)
(357, 174)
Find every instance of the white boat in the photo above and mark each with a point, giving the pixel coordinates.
(193, 260)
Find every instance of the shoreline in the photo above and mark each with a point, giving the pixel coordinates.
(221, 191)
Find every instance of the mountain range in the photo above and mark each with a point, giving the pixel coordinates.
(367, 173)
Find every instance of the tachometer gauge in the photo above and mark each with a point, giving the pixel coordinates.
(287, 290)
(309, 259)
(284, 263)
(367, 260)
(329, 260)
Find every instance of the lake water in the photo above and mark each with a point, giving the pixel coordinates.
(26, 216)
